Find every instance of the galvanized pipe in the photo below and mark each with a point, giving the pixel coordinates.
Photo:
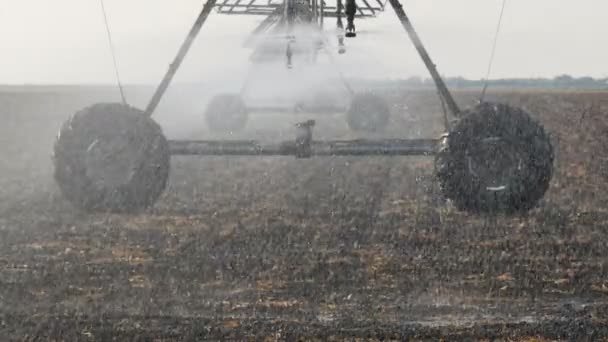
(183, 51)
(384, 147)
(231, 148)
(444, 92)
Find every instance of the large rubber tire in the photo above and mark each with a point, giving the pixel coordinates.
(496, 160)
(226, 113)
(368, 113)
(111, 157)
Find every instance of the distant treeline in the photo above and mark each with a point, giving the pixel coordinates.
(563, 81)
(559, 82)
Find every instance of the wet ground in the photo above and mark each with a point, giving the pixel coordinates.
(278, 248)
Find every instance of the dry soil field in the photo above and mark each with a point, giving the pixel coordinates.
(278, 248)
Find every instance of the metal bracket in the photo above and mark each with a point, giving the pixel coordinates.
(304, 139)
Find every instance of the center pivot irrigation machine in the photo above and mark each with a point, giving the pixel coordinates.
(493, 158)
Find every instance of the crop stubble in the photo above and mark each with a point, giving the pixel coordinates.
(322, 248)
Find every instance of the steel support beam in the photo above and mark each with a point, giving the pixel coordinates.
(270, 20)
(304, 109)
(444, 92)
(384, 147)
(183, 51)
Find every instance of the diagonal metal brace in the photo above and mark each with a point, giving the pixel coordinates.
(183, 51)
(444, 92)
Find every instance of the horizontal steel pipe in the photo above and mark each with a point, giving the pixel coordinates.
(294, 109)
(231, 148)
(384, 147)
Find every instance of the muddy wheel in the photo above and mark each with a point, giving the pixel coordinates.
(226, 113)
(111, 157)
(497, 159)
(368, 112)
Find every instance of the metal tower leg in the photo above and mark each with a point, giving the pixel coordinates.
(444, 92)
(183, 51)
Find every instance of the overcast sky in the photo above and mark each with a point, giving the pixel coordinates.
(64, 42)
